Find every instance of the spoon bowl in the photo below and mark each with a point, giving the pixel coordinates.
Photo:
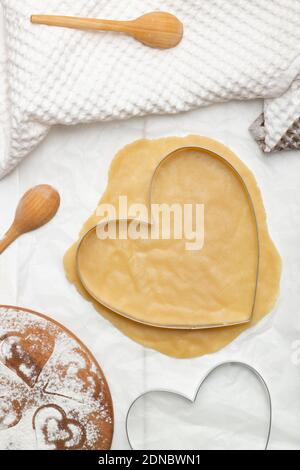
(36, 208)
(158, 29)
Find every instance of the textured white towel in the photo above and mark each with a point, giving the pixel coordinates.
(278, 128)
(237, 49)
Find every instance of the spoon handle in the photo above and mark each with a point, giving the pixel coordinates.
(11, 235)
(83, 23)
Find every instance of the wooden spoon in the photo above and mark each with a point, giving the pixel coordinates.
(157, 29)
(36, 208)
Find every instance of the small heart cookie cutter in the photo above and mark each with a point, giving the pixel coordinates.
(105, 222)
(190, 401)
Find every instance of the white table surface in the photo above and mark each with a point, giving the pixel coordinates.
(76, 161)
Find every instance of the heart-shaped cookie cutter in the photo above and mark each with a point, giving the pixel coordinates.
(172, 154)
(190, 401)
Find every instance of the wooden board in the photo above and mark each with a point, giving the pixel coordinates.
(53, 393)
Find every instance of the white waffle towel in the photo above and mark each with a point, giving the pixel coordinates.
(237, 49)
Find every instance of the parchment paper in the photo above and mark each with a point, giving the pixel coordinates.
(76, 162)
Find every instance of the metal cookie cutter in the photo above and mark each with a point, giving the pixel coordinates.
(173, 394)
(173, 154)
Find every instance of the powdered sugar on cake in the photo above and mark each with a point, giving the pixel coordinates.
(52, 393)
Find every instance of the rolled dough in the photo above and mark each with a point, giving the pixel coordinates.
(228, 273)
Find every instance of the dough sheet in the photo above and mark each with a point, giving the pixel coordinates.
(161, 282)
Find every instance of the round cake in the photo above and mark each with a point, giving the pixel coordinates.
(53, 394)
